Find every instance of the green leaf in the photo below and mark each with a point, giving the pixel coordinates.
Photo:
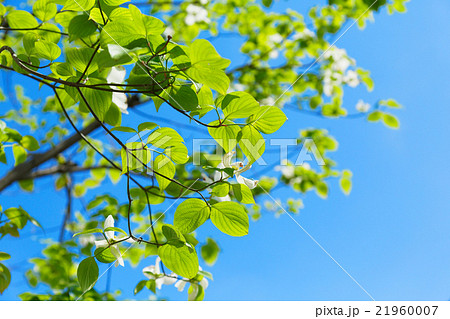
(80, 27)
(210, 252)
(181, 260)
(191, 214)
(164, 137)
(19, 19)
(226, 135)
(237, 105)
(141, 284)
(124, 129)
(147, 126)
(375, 116)
(183, 98)
(87, 273)
(62, 69)
(135, 157)
(4, 256)
(230, 218)
(26, 185)
(20, 155)
(252, 143)
(177, 153)
(30, 143)
(78, 5)
(47, 50)
(29, 39)
(220, 190)
(346, 185)
(115, 229)
(243, 193)
(267, 3)
(114, 3)
(119, 33)
(173, 235)
(268, 119)
(390, 103)
(130, 28)
(5, 278)
(165, 167)
(207, 66)
(104, 255)
(391, 121)
(88, 231)
(113, 116)
(80, 57)
(99, 101)
(44, 10)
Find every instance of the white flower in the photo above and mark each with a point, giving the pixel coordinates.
(341, 62)
(204, 2)
(117, 75)
(362, 106)
(169, 31)
(288, 171)
(274, 54)
(275, 38)
(180, 284)
(110, 237)
(86, 240)
(351, 78)
(330, 79)
(196, 14)
(154, 272)
(268, 101)
(305, 34)
(239, 169)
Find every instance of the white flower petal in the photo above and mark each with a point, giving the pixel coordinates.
(180, 284)
(116, 75)
(246, 181)
(204, 283)
(120, 99)
(101, 243)
(116, 253)
(109, 222)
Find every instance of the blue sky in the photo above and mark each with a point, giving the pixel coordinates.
(391, 234)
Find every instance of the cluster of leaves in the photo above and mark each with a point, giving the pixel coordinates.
(100, 58)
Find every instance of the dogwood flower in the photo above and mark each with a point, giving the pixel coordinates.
(154, 272)
(196, 14)
(362, 106)
(305, 34)
(110, 239)
(180, 284)
(239, 169)
(351, 78)
(117, 75)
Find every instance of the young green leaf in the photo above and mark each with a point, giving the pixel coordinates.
(207, 66)
(252, 143)
(165, 167)
(243, 193)
(210, 252)
(164, 137)
(87, 273)
(182, 260)
(268, 119)
(230, 218)
(191, 214)
(237, 105)
(225, 135)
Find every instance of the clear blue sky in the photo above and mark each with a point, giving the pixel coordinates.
(391, 234)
